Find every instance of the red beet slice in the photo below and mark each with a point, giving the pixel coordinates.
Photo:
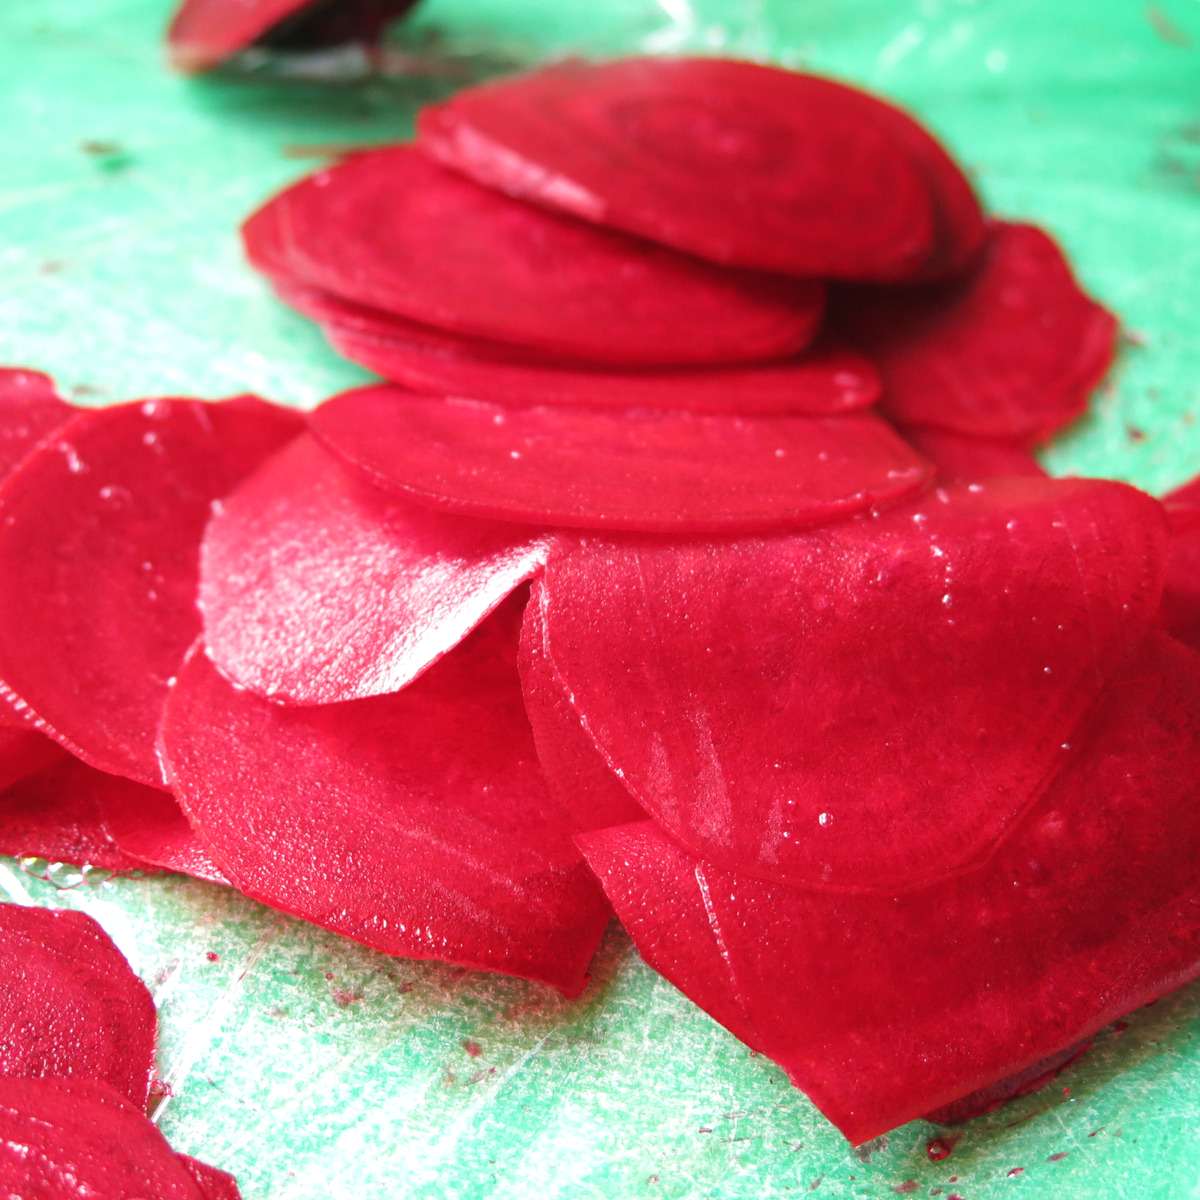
(30, 409)
(394, 231)
(868, 706)
(65, 1141)
(642, 469)
(1181, 593)
(417, 823)
(147, 825)
(71, 1007)
(23, 751)
(213, 1184)
(99, 530)
(317, 587)
(884, 1007)
(1011, 351)
(739, 163)
(963, 459)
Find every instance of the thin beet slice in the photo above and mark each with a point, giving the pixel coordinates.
(69, 1140)
(740, 163)
(317, 587)
(864, 707)
(99, 531)
(71, 1007)
(213, 1184)
(204, 33)
(147, 825)
(30, 409)
(640, 469)
(963, 459)
(417, 823)
(886, 1007)
(23, 751)
(392, 230)
(1011, 351)
(1181, 592)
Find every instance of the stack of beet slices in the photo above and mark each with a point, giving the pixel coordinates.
(625, 593)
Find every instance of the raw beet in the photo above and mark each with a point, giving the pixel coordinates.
(1181, 593)
(69, 1140)
(739, 163)
(213, 1184)
(23, 751)
(643, 469)
(417, 823)
(962, 459)
(30, 409)
(317, 587)
(204, 33)
(392, 230)
(1011, 351)
(99, 529)
(70, 1007)
(869, 706)
(885, 1007)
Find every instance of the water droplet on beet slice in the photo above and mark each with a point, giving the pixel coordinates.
(62, 1140)
(885, 1007)
(417, 823)
(1181, 592)
(963, 459)
(868, 706)
(392, 230)
(662, 471)
(733, 161)
(317, 587)
(1012, 350)
(30, 409)
(99, 532)
(70, 1005)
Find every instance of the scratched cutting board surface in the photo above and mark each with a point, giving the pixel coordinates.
(313, 1068)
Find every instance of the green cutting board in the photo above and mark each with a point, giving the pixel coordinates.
(313, 1068)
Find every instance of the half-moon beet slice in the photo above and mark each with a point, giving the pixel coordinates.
(317, 587)
(740, 163)
(1181, 593)
(66, 1140)
(658, 471)
(30, 409)
(962, 459)
(99, 533)
(147, 825)
(393, 230)
(864, 707)
(885, 1007)
(417, 823)
(1012, 350)
(70, 1006)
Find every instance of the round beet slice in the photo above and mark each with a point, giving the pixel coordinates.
(642, 469)
(869, 706)
(30, 409)
(71, 1007)
(1010, 351)
(317, 587)
(99, 532)
(393, 230)
(744, 164)
(417, 823)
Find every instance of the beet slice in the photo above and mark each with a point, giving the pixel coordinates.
(67, 1140)
(23, 751)
(71, 1007)
(1011, 351)
(147, 825)
(962, 459)
(885, 1007)
(317, 587)
(99, 530)
(213, 1184)
(640, 469)
(392, 230)
(864, 707)
(30, 409)
(1181, 592)
(740, 163)
(417, 823)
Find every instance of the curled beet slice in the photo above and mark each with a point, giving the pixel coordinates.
(417, 823)
(66, 1140)
(71, 1007)
(868, 706)
(30, 409)
(857, 997)
(962, 459)
(317, 587)
(392, 230)
(1181, 593)
(640, 469)
(1010, 351)
(99, 530)
(739, 163)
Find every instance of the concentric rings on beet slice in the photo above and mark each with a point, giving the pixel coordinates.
(71, 1007)
(417, 823)
(393, 230)
(651, 470)
(99, 534)
(30, 409)
(865, 707)
(317, 587)
(736, 162)
(1011, 351)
